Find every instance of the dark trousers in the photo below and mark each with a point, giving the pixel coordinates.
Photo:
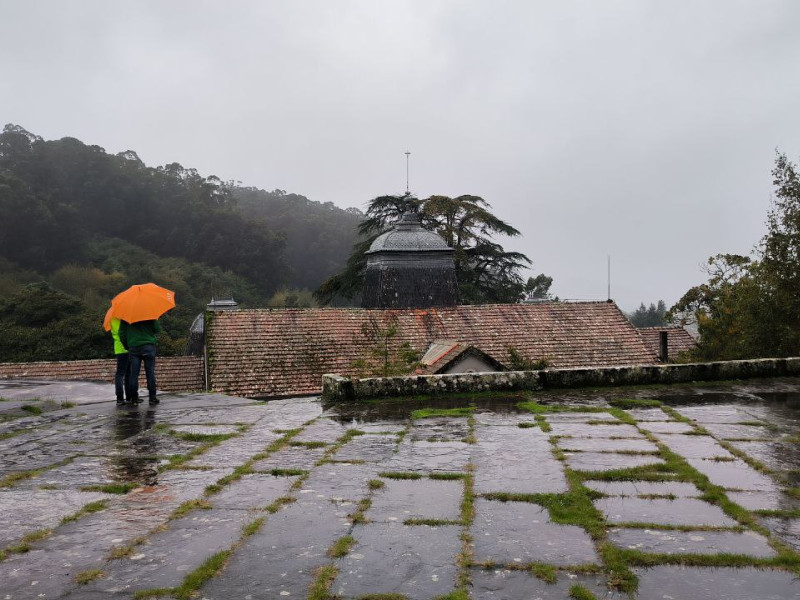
(122, 376)
(139, 354)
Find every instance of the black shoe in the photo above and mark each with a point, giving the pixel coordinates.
(134, 401)
(154, 400)
(120, 402)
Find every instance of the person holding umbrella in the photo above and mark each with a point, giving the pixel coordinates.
(140, 340)
(122, 374)
(138, 309)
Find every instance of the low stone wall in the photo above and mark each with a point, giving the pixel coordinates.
(336, 387)
(173, 373)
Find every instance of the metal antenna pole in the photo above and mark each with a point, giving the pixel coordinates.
(407, 155)
(609, 277)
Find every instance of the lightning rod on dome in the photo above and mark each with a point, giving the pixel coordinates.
(407, 155)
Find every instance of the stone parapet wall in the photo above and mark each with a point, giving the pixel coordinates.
(336, 387)
(173, 373)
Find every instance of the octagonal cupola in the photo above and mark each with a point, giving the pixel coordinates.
(409, 267)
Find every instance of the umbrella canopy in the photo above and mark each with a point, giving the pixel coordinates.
(140, 303)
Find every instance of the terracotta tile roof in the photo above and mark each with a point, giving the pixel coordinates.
(278, 352)
(678, 339)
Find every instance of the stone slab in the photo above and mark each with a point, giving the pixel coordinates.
(340, 481)
(252, 491)
(443, 429)
(505, 584)
(429, 457)
(521, 532)
(667, 427)
(682, 511)
(659, 541)
(680, 489)
(606, 445)
(738, 432)
(602, 431)
(518, 461)
(607, 461)
(369, 448)
(291, 457)
(402, 499)
(734, 475)
(722, 583)
(279, 560)
(695, 446)
(387, 558)
(168, 556)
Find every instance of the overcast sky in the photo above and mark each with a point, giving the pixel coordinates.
(641, 130)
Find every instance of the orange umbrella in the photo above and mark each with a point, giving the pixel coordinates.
(107, 319)
(140, 303)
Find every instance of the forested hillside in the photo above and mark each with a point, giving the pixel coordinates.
(78, 225)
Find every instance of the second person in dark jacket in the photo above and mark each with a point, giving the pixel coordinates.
(140, 340)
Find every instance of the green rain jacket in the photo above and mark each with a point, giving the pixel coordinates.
(139, 333)
(118, 347)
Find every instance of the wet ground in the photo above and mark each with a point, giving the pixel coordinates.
(572, 496)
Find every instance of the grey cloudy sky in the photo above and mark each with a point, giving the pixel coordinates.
(643, 130)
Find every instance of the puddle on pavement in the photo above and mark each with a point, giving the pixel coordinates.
(721, 583)
(681, 511)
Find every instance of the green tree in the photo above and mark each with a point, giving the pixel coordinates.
(538, 288)
(652, 316)
(750, 307)
(485, 271)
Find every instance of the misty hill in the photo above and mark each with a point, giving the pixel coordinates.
(78, 225)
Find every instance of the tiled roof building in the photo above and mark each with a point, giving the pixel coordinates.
(679, 341)
(280, 352)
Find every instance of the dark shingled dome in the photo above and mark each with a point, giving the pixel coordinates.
(409, 267)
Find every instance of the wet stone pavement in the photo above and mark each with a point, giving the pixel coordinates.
(649, 493)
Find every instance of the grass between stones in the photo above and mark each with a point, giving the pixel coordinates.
(341, 547)
(324, 577)
(534, 407)
(628, 403)
(427, 413)
(111, 488)
(87, 509)
(32, 409)
(579, 592)
(202, 437)
(85, 577)
(24, 544)
(195, 580)
(576, 507)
